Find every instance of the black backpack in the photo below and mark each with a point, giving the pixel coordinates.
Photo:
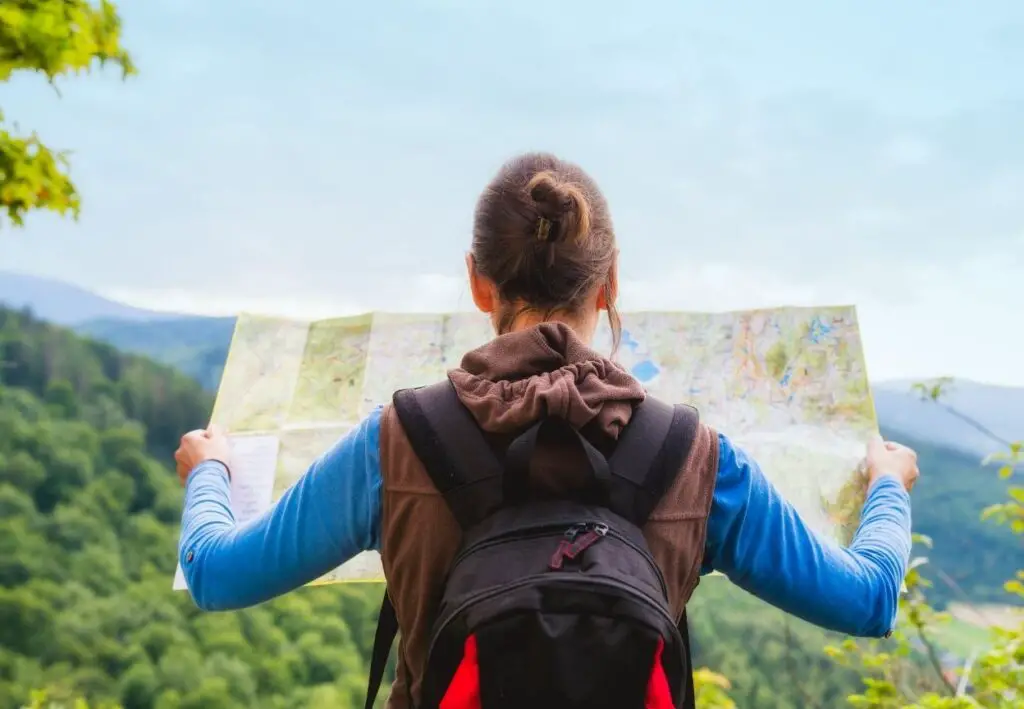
(549, 602)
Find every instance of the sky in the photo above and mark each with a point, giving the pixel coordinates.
(319, 158)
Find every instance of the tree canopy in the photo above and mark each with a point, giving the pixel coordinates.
(53, 38)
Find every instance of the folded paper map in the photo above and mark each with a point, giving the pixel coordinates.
(788, 385)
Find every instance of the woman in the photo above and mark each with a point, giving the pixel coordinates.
(543, 266)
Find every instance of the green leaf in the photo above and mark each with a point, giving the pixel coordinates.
(922, 539)
(53, 38)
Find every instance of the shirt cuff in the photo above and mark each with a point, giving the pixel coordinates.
(208, 466)
(887, 479)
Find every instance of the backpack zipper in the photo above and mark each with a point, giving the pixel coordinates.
(570, 533)
(535, 533)
(496, 591)
(645, 554)
(603, 530)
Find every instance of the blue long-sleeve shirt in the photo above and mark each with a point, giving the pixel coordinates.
(754, 537)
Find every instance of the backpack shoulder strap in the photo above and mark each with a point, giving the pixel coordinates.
(387, 629)
(689, 698)
(447, 440)
(649, 455)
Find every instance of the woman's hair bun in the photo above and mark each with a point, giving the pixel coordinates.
(563, 210)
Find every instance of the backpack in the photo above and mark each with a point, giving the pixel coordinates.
(549, 601)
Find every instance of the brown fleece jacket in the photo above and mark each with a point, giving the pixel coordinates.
(508, 384)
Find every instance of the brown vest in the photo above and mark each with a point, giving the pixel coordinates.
(505, 384)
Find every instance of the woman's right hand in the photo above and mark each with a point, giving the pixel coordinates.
(893, 459)
(199, 446)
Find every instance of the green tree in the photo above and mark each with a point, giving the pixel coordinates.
(53, 38)
(992, 678)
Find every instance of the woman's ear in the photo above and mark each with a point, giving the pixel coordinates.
(483, 290)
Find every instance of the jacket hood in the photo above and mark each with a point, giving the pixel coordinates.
(517, 378)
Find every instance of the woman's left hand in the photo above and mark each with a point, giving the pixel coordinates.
(199, 446)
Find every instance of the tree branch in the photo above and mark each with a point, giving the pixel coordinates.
(934, 392)
(933, 657)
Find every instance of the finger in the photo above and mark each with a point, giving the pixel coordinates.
(875, 445)
(214, 430)
(895, 447)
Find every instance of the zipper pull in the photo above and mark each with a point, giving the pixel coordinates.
(573, 544)
(560, 555)
(583, 543)
(574, 531)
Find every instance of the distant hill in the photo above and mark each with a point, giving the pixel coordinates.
(999, 409)
(66, 304)
(195, 345)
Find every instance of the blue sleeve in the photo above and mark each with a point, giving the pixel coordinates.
(331, 514)
(761, 544)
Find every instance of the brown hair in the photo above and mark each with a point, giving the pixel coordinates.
(542, 232)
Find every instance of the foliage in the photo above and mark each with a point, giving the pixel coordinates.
(994, 677)
(772, 660)
(711, 690)
(194, 345)
(41, 699)
(53, 38)
(88, 528)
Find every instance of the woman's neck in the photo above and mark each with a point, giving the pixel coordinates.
(527, 319)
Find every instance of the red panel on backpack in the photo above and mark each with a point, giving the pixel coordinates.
(464, 690)
(658, 694)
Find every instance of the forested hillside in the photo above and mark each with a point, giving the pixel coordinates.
(89, 508)
(88, 527)
(196, 346)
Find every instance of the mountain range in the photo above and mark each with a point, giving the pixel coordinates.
(972, 418)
